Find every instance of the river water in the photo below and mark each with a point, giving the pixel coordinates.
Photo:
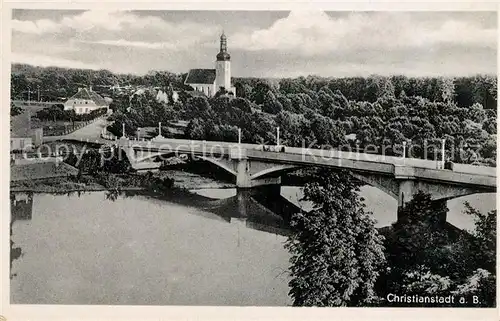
(207, 247)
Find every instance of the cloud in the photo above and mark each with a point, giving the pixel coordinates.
(46, 61)
(136, 44)
(93, 24)
(98, 19)
(35, 27)
(126, 29)
(87, 20)
(312, 33)
(294, 43)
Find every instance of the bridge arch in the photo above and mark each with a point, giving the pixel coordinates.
(151, 156)
(386, 184)
(220, 163)
(274, 169)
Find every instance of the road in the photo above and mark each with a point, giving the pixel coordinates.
(91, 132)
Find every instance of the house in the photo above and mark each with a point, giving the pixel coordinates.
(22, 136)
(210, 81)
(85, 101)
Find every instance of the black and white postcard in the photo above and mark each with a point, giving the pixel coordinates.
(190, 156)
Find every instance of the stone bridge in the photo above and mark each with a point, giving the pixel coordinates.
(252, 166)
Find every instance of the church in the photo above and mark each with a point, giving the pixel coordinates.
(210, 81)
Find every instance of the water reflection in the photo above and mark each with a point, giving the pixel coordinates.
(142, 249)
(263, 209)
(21, 205)
(112, 195)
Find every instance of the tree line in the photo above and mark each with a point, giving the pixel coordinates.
(324, 116)
(58, 84)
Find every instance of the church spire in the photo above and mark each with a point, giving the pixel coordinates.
(223, 55)
(223, 42)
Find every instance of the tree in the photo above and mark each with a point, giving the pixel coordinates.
(447, 89)
(271, 105)
(290, 86)
(485, 236)
(242, 104)
(417, 255)
(118, 163)
(482, 285)
(419, 230)
(221, 92)
(259, 92)
(195, 129)
(90, 162)
(490, 125)
(477, 113)
(336, 250)
(285, 102)
(425, 258)
(243, 90)
(198, 107)
(15, 110)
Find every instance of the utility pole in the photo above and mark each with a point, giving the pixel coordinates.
(442, 150)
(123, 130)
(239, 135)
(159, 129)
(29, 92)
(404, 149)
(277, 136)
(38, 87)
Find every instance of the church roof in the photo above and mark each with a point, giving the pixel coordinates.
(200, 76)
(86, 94)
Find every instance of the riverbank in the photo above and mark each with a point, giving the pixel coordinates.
(56, 185)
(122, 182)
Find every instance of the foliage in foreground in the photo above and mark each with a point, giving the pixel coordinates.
(427, 256)
(336, 250)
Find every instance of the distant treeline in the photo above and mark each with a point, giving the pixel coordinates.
(58, 83)
(464, 91)
(55, 82)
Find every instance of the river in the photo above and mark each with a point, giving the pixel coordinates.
(206, 247)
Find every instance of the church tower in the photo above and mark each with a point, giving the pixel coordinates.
(223, 66)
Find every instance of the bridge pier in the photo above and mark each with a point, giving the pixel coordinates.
(243, 199)
(244, 177)
(407, 189)
(133, 157)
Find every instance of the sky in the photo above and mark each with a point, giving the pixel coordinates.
(261, 43)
